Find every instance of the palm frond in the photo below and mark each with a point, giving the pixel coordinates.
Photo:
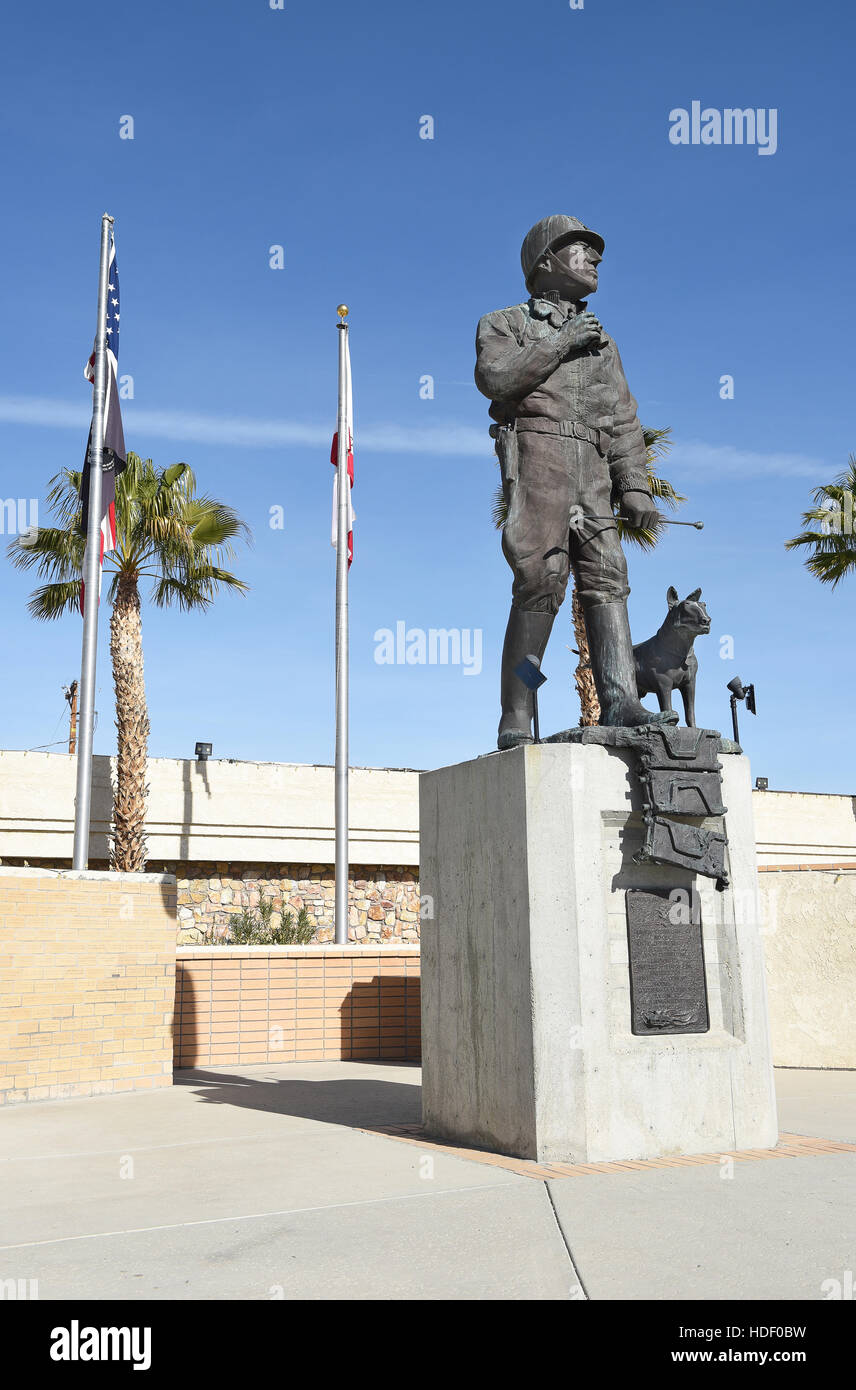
(845, 482)
(213, 523)
(499, 508)
(833, 549)
(53, 600)
(163, 528)
(657, 445)
(646, 537)
(55, 554)
(196, 588)
(63, 497)
(663, 490)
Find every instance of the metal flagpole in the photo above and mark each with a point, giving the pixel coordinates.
(83, 798)
(342, 529)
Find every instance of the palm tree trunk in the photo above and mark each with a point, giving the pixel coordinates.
(132, 723)
(583, 678)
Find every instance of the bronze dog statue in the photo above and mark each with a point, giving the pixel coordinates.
(667, 662)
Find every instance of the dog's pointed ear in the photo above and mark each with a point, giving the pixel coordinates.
(671, 595)
(695, 595)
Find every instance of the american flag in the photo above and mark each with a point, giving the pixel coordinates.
(334, 459)
(113, 456)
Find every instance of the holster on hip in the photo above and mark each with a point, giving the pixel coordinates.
(505, 443)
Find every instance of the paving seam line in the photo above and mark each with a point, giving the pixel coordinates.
(263, 1136)
(564, 1239)
(255, 1216)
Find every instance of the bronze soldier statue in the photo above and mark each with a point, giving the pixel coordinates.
(569, 445)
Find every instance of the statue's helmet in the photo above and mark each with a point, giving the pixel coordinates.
(549, 235)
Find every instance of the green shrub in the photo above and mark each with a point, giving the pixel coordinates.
(254, 927)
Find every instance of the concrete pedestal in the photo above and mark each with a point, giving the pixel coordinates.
(526, 857)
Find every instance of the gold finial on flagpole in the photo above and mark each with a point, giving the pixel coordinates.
(343, 311)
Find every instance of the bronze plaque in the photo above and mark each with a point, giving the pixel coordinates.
(688, 846)
(674, 793)
(690, 750)
(668, 993)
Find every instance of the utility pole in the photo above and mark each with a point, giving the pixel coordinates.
(70, 693)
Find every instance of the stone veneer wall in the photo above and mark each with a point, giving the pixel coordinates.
(384, 901)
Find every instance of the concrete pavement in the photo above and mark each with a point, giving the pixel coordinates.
(261, 1182)
(817, 1102)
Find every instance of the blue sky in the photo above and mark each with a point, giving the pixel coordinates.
(255, 127)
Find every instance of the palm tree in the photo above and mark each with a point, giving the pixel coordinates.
(166, 533)
(657, 444)
(833, 547)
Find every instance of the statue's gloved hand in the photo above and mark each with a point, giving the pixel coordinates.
(640, 510)
(582, 331)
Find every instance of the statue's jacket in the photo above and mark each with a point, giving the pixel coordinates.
(521, 368)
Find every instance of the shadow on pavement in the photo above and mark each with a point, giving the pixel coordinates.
(338, 1101)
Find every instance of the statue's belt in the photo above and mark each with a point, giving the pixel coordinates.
(570, 429)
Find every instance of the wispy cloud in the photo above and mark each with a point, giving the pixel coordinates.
(714, 461)
(190, 428)
(709, 461)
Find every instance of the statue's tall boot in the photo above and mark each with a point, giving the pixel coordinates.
(614, 669)
(526, 635)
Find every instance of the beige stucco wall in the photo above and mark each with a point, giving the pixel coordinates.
(810, 950)
(233, 812)
(241, 813)
(283, 812)
(804, 828)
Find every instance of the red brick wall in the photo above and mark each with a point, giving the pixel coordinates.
(296, 1004)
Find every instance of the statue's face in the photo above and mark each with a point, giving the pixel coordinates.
(581, 261)
(572, 270)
